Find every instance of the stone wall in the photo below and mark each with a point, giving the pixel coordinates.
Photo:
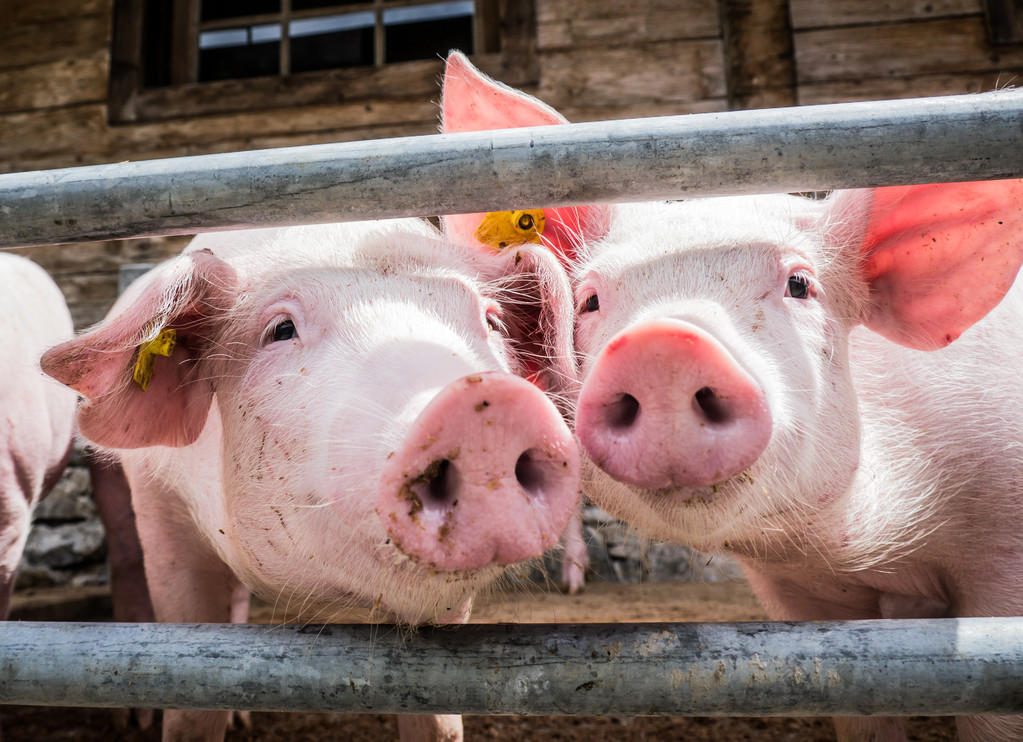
(66, 545)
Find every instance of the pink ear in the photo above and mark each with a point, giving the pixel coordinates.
(184, 294)
(940, 257)
(536, 299)
(471, 101)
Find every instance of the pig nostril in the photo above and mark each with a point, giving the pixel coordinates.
(530, 473)
(438, 484)
(622, 413)
(711, 405)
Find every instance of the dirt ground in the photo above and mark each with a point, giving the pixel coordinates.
(601, 602)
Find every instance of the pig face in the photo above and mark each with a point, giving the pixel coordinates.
(716, 384)
(368, 438)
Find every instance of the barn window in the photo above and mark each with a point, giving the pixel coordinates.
(195, 57)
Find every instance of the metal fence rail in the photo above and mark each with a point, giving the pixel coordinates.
(957, 138)
(932, 667)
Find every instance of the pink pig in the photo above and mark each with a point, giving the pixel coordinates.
(827, 390)
(337, 422)
(38, 419)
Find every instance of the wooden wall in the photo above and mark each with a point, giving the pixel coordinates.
(596, 59)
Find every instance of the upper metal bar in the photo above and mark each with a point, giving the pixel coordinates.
(931, 667)
(957, 138)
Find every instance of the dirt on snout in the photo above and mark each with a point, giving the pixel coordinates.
(599, 603)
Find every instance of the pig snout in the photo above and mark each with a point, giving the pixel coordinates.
(487, 474)
(665, 404)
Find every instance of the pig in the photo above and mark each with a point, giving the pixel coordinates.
(827, 390)
(38, 414)
(330, 415)
(38, 436)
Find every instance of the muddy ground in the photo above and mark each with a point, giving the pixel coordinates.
(601, 602)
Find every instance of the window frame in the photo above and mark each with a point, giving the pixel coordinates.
(510, 29)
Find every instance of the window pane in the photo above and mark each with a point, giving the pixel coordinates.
(213, 10)
(332, 41)
(239, 52)
(156, 48)
(428, 31)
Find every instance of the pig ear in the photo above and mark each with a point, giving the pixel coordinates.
(471, 101)
(536, 301)
(166, 326)
(937, 258)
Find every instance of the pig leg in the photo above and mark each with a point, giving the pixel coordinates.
(430, 728)
(128, 591)
(574, 557)
(436, 727)
(787, 600)
(870, 729)
(994, 591)
(989, 728)
(15, 520)
(240, 614)
(188, 583)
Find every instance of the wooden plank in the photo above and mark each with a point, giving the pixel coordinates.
(578, 114)
(53, 84)
(759, 63)
(900, 87)
(54, 41)
(329, 87)
(81, 133)
(564, 24)
(19, 13)
(697, 11)
(51, 162)
(101, 257)
(1004, 20)
(816, 14)
(932, 47)
(654, 74)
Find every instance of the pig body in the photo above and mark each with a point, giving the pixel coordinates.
(884, 463)
(825, 389)
(888, 482)
(37, 425)
(336, 424)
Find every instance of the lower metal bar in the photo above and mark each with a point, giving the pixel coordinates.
(930, 667)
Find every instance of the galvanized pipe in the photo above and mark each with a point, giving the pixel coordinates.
(957, 138)
(932, 667)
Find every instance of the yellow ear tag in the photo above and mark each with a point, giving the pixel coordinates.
(501, 229)
(161, 345)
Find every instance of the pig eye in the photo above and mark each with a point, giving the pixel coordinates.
(592, 304)
(494, 322)
(798, 287)
(284, 330)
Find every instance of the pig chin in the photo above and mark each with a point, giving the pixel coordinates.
(699, 516)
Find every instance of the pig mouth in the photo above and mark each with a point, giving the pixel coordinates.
(705, 495)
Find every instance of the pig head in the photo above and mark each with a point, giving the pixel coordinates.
(333, 411)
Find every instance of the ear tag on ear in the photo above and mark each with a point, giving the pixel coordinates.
(501, 229)
(161, 345)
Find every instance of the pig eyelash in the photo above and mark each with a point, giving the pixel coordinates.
(590, 304)
(800, 286)
(494, 321)
(282, 328)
